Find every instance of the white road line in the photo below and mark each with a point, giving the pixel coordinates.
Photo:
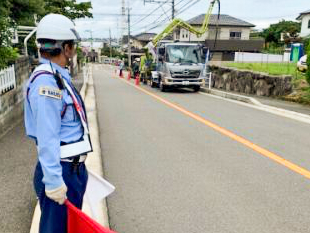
(273, 110)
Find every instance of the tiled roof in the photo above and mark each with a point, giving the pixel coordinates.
(145, 36)
(225, 20)
(303, 13)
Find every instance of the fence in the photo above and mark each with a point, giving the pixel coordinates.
(7, 80)
(261, 57)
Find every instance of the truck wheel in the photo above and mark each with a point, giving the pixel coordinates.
(196, 88)
(162, 87)
(152, 83)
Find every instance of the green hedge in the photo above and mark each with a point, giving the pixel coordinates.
(7, 56)
(308, 63)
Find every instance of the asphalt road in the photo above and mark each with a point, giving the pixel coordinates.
(174, 173)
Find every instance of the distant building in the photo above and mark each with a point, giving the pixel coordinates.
(304, 17)
(145, 38)
(232, 35)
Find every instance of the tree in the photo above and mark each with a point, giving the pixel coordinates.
(22, 12)
(105, 51)
(273, 33)
(69, 8)
(7, 53)
(308, 64)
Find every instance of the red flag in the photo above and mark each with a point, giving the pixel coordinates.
(78, 222)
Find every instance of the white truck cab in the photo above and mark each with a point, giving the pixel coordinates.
(179, 65)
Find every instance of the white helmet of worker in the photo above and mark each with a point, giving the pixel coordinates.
(57, 27)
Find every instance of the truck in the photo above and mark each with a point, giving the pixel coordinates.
(180, 64)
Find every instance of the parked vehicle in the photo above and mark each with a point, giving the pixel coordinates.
(179, 65)
(302, 64)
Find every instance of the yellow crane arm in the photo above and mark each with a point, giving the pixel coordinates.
(180, 23)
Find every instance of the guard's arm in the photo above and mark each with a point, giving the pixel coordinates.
(46, 104)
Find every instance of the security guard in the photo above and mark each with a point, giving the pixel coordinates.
(55, 118)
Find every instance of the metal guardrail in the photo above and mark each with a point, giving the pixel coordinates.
(7, 80)
(208, 80)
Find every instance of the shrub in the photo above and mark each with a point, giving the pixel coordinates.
(7, 56)
(308, 63)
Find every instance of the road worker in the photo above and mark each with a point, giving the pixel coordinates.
(55, 118)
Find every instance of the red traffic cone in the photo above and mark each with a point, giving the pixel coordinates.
(129, 75)
(79, 222)
(137, 81)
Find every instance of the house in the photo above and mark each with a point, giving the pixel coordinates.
(144, 38)
(304, 17)
(138, 41)
(232, 35)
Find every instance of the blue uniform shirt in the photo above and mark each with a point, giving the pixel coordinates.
(51, 120)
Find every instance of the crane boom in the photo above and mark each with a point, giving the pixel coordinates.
(180, 23)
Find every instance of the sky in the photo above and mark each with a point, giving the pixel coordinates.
(107, 14)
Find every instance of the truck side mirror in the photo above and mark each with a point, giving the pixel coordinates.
(161, 51)
(205, 50)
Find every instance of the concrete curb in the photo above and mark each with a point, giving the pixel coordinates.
(227, 95)
(93, 162)
(256, 104)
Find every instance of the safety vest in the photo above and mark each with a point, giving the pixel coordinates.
(76, 148)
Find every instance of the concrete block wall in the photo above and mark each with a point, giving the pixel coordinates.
(11, 103)
(255, 83)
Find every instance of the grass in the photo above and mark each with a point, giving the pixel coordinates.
(270, 68)
(301, 92)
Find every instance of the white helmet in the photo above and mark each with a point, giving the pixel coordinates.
(57, 27)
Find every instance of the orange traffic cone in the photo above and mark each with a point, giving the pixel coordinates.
(129, 75)
(137, 81)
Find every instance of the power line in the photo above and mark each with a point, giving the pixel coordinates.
(163, 21)
(155, 21)
(181, 10)
(139, 20)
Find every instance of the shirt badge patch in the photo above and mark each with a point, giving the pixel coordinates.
(50, 92)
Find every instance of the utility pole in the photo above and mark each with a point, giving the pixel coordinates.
(129, 46)
(91, 37)
(110, 43)
(123, 22)
(173, 9)
(92, 40)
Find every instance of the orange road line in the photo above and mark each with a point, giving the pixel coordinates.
(231, 135)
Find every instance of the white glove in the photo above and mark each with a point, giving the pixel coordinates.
(58, 195)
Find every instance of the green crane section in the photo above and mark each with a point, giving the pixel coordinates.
(180, 23)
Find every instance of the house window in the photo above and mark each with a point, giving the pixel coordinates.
(309, 23)
(235, 35)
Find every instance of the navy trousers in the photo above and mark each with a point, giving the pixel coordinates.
(54, 216)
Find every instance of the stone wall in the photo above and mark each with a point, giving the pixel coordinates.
(11, 103)
(248, 82)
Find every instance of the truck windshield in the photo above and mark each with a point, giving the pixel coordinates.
(183, 54)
